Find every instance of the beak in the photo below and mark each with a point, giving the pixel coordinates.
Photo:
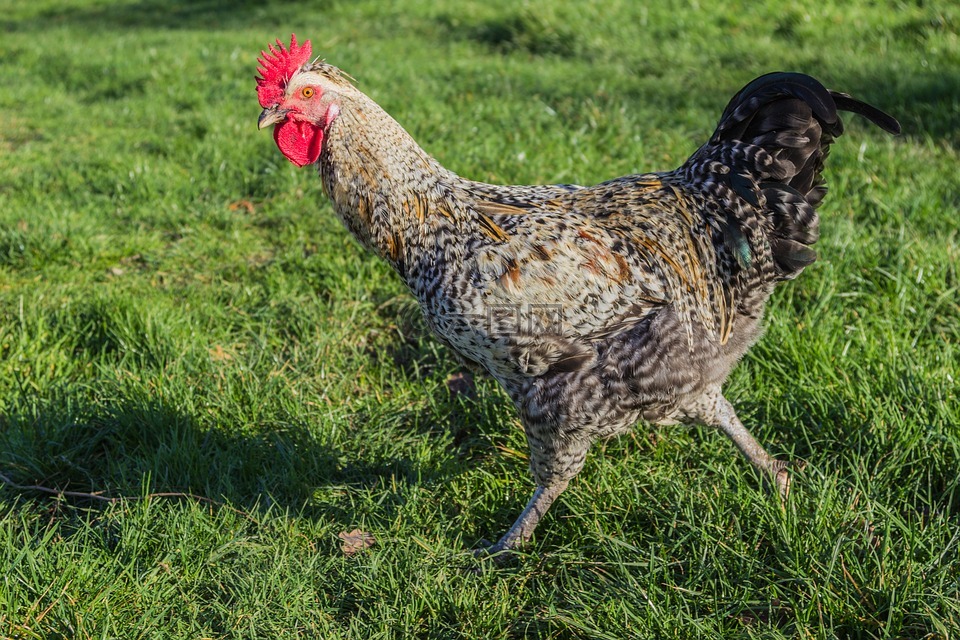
(271, 115)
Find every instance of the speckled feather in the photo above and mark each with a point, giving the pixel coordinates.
(597, 306)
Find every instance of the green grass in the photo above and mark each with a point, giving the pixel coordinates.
(181, 312)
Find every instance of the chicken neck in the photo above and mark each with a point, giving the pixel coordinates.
(392, 196)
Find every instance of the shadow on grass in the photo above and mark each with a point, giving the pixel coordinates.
(176, 14)
(125, 449)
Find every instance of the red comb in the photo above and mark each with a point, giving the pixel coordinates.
(277, 67)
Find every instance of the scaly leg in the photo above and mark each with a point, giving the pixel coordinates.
(522, 529)
(716, 411)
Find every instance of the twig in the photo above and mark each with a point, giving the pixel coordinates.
(55, 492)
(60, 493)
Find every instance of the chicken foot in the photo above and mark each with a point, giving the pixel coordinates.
(522, 529)
(716, 411)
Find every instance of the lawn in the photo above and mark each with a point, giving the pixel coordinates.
(193, 346)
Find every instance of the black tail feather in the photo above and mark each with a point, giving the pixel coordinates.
(773, 137)
(884, 121)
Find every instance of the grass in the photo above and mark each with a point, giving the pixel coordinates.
(181, 313)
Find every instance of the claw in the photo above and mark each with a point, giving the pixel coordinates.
(498, 553)
(781, 476)
(783, 483)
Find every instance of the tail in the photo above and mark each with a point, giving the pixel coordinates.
(769, 148)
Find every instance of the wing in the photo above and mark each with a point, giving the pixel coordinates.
(590, 265)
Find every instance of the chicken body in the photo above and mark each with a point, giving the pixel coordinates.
(594, 307)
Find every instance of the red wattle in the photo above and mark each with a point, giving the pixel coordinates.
(299, 141)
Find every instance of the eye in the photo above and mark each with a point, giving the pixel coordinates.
(307, 92)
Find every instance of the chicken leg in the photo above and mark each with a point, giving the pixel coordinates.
(716, 411)
(522, 529)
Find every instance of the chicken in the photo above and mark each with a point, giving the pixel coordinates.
(594, 307)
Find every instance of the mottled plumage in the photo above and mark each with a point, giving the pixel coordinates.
(594, 307)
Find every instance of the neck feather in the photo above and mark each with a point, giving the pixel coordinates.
(387, 190)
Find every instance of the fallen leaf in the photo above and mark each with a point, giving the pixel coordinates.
(355, 541)
(218, 354)
(246, 205)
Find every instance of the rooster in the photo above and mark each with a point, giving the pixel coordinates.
(594, 307)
